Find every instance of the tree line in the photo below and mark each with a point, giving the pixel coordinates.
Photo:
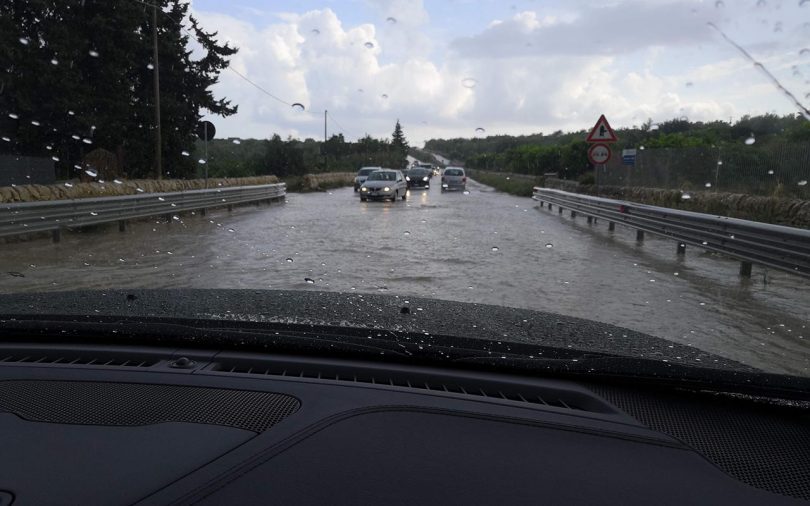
(566, 153)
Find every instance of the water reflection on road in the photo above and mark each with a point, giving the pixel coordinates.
(483, 247)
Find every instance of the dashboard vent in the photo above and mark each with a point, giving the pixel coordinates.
(558, 398)
(62, 359)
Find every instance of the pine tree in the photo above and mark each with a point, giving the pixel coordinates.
(70, 69)
(399, 145)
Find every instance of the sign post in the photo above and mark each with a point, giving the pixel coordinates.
(599, 153)
(206, 132)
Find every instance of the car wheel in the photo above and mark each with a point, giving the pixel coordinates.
(404, 195)
(363, 199)
(396, 196)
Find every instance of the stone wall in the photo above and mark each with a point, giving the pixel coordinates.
(780, 211)
(34, 192)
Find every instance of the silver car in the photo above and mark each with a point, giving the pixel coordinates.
(384, 184)
(454, 178)
(361, 176)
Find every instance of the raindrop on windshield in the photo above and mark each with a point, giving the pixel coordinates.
(770, 172)
(69, 185)
(469, 82)
(54, 62)
(298, 107)
(310, 281)
(75, 137)
(237, 141)
(685, 196)
(803, 182)
(289, 260)
(708, 185)
(55, 158)
(719, 162)
(13, 116)
(184, 153)
(87, 141)
(315, 31)
(479, 130)
(150, 66)
(391, 20)
(384, 96)
(777, 27)
(549, 245)
(689, 84)
(71, 113)
(24, 41)
(750, 140)
(466, 192)
(495, 248)
(719, 4)
(93, 213)
(35, 122)
(116, 181)
(93, 53)
(406, 233)
(231, 230)
(369, 45)
(91, 173)
(201, 161)
(5, 139)
(176, 218)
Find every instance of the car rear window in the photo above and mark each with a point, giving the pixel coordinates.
(366, 172)
(453, 172)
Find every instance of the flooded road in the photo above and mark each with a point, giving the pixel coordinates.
(484, 247)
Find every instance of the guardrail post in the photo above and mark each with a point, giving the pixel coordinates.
(559, 210)
(590, 219)
(573, 214)
(549, 206)
(681, 248)
(122, 225)
(611, 226)
(230, 207)
(56, 235)
(745, 269)
(202, 212)
(640, 235)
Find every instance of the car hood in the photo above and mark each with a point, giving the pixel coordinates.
(393, 313)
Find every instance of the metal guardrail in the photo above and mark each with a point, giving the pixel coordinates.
(55, 215)
(776, 246)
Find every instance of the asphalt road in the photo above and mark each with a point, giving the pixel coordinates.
(483, 247)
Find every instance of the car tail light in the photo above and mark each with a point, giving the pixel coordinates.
(464, 179)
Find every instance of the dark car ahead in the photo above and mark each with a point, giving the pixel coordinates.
(418, 177)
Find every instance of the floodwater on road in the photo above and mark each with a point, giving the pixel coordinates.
(483, 246)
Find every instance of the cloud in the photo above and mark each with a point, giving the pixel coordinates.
(534, 71)
(604, 30)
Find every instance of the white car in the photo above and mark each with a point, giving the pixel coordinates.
(384, 184)
(361, 176)
(454, 178)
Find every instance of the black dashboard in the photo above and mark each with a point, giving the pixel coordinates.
(99, 424)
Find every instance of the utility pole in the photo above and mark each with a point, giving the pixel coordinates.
(158, 161)
(325, 158)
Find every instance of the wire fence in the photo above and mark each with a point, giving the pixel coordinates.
(776, 170)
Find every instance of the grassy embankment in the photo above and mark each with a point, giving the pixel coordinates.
(520, 186)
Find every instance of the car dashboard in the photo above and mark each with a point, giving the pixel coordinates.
(94, 424)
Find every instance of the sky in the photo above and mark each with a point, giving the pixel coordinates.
(445, 68)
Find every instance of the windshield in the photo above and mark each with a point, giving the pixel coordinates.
(640, 164)
(382, 176)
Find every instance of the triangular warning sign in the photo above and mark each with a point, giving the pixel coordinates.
(602, 132)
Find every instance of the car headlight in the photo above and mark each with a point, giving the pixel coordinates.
(445, 185)
(407, 178)
(425, 178)
(364, 189)
(386, 189)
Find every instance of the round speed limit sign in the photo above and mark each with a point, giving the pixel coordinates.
(599, 154)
